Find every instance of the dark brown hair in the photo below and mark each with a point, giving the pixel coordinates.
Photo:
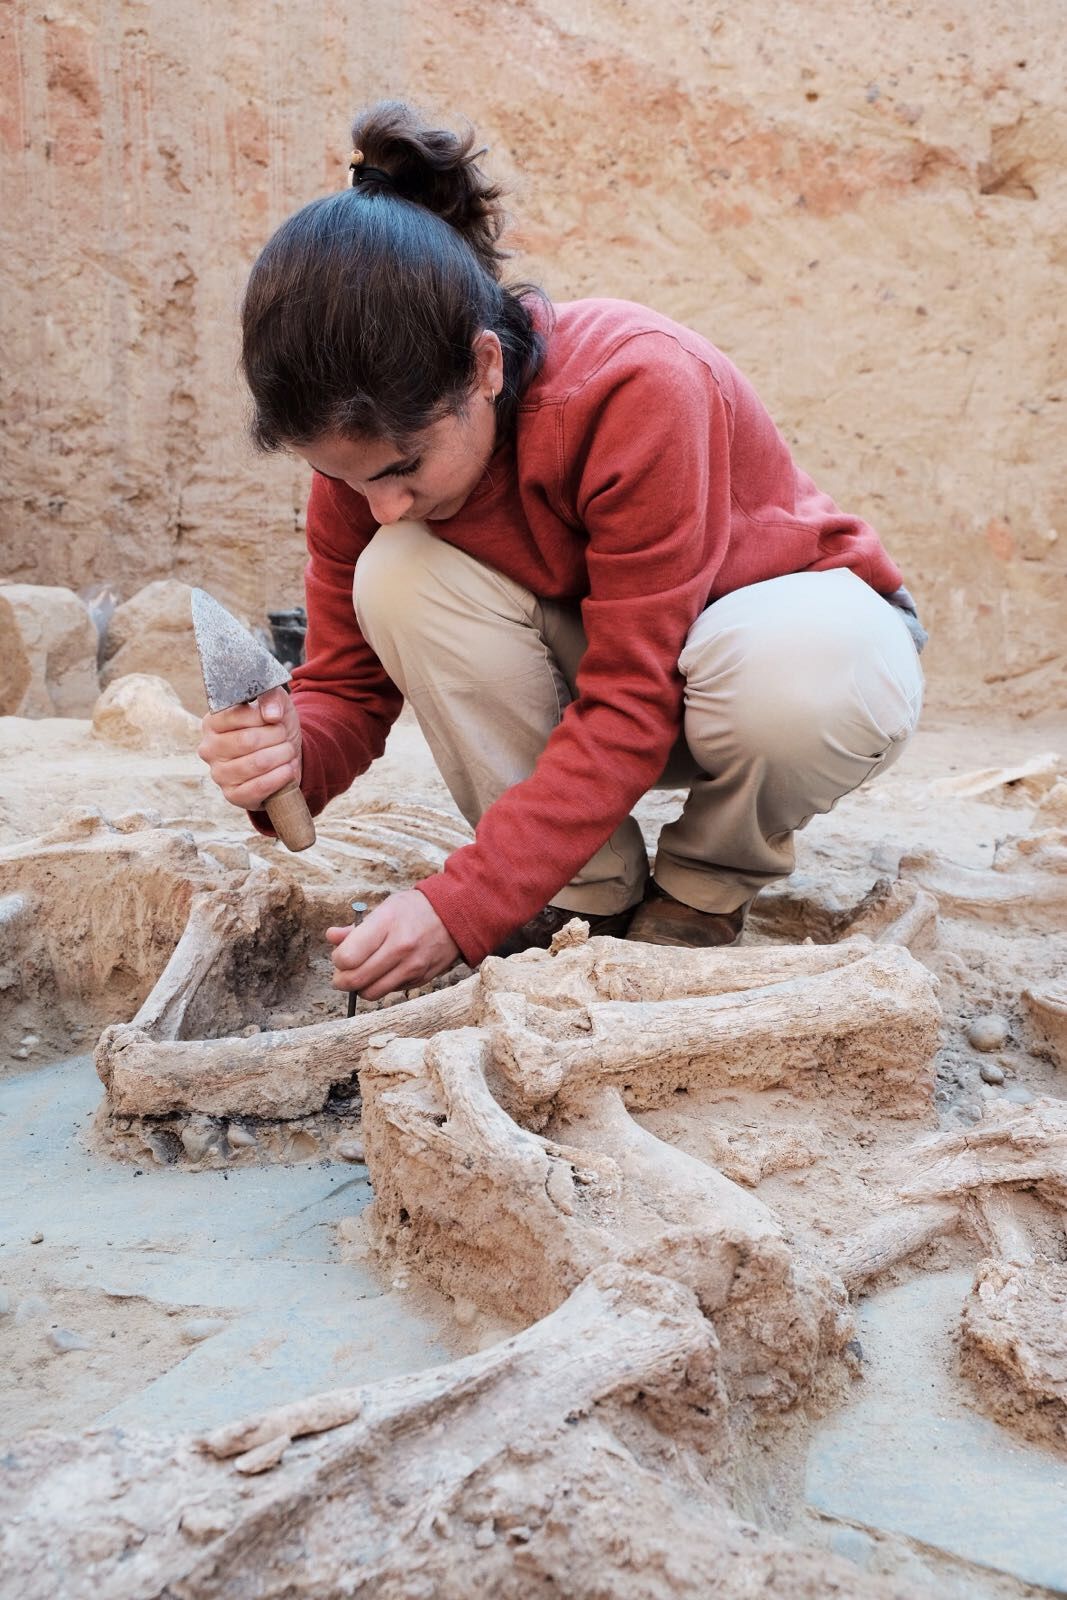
(361, 312)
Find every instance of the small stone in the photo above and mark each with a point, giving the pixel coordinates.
(240, 1138)
(969, 1111)
(37, 1238)
(251, 1030)
(989, 1072)
(165, 1146)
(195, 1329)
(21, 1054)
(32, 1307)
(520, 1535)
(197, 1137)
(988, 1033)
(30, 1040)
(63, 1340)
(485, 1536)
(1017, 1094)
(351, 1150)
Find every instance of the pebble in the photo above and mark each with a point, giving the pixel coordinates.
(7, 1304)
(30, 1040)
(485, 1536)
(197, 1137)
(37, 1238)
(240, 1138)
(21, 1054)
(969, 1111)
(1017, 1094)
(197, 1328)
(351, 1150)
(64, 1340)
(989, 1072)
(250, 1032)
(988, 1033)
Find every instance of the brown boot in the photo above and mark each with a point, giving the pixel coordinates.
(538, 933)
(661, 919)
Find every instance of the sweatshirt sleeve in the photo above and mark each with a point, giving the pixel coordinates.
(346, 700)
(645, 447)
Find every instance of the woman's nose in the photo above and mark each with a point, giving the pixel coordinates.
(389, 502)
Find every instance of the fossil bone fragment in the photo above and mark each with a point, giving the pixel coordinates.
(1014, 1345)
(576, 1459)
(963, 1180)
(731, 1009)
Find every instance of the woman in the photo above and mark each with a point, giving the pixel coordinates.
(574, 540)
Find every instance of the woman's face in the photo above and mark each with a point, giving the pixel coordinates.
(435, 475)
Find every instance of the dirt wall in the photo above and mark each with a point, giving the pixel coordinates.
(862, 203)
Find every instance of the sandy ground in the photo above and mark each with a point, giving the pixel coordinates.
(182, 1298)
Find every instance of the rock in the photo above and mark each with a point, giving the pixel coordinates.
(1018, 1094)
(198, 1136)
(351, 1150)
(153, 633)
(165, 1146)
(48, 662)
(989, 1072)
(63, 1340)
(37, 1238)
(30, 1041)
(988, 1033)
(196, 1329)
(143, 712)
(485, 1536)
(969, 1111)
(238, 1137)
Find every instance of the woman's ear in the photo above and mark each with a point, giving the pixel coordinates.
(490, 358)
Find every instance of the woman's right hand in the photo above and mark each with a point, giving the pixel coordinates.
(253, 751)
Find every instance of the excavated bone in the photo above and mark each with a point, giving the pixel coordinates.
(573, 1460)
(891, 912)
(99, 911)
(512, 1220)
(1018, 892)
(1014, 1346)
(1048, 1007)
(733, 1006)
(957, 1180)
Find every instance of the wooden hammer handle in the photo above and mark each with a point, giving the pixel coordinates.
(290, 817)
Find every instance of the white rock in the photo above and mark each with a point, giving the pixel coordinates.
(48, 660)
(64, 1340)
(988, 1033)
(143, 712)
(153, 632)
(350, 1150)
(989, 1072)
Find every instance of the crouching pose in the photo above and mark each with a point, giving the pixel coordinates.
(572, 538)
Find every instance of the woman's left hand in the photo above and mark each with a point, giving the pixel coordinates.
(402, 943)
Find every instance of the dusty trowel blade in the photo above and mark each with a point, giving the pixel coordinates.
(236, 666)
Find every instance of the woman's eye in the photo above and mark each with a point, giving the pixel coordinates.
(405, 472)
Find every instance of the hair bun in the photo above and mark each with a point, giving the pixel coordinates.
(432, 167)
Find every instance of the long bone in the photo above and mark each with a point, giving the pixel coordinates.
(491, 1212)
(576, 1460)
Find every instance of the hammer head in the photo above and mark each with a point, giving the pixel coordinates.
(236, 666)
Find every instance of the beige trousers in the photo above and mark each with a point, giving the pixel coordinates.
(797, 690)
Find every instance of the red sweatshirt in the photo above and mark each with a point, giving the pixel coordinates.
(645, 479)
